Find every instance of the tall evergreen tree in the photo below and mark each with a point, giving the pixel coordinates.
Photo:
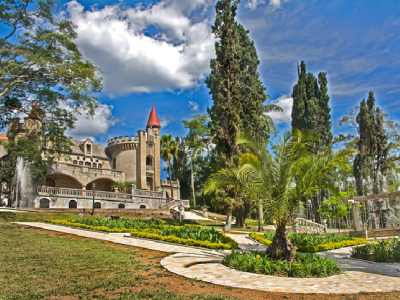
(373, 148)
(311, 112)
(224, 84)
(311, 109)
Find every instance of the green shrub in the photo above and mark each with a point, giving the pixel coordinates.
(304, 265)
(310, 248)
(381, 251)
(223, 241)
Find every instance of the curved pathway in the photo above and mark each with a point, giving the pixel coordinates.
(203, 264)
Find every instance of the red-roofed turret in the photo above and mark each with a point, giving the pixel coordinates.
(153, 120)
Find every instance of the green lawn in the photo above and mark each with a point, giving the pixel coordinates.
(38, 266)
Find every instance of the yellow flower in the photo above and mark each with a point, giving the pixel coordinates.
(258, 256)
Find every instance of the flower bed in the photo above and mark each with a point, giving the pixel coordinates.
(215, 240)
(300, 241)
(383, 251)
(305, 265)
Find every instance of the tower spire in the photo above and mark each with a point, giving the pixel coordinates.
(153, 120)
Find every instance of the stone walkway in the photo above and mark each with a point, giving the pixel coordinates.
(203, 264)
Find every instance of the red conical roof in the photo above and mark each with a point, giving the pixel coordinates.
(153, 120)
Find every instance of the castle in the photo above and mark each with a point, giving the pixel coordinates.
(90, 166)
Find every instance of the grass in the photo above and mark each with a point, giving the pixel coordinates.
(39, 266)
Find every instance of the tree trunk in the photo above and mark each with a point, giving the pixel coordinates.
(192, 183)
(315, 207)
(260, 217)
(281, 247)
(228, 224)
(170, 180)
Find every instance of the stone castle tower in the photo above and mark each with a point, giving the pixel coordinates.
(139, 157)
(30, 128)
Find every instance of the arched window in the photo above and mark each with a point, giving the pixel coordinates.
(75, 162)
(81, 163)
(149, 161)
(97, 205)
(44, 203)
(88, 164)
(99, 166)
(94, 165)
(73, 204)
(121, 205)
(142, 206)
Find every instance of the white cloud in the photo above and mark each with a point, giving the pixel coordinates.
(146, 49)
(91, 126)
(193, 106)
(253, 4)
(276, 3)
(285, 117)
(164, 122)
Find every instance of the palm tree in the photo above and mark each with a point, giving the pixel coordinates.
(286, 177)
(237, 186)
(168, 149)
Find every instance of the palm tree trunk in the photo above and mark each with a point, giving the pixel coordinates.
(228, 224)
(192, 182)
(281, 247)
(315, 208)
(170, 180)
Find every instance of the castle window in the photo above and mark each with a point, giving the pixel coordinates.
(99, 166)
(81, 163)
(77, 157)
(94, 165)
(97, 205)
(87, 164)
(149, 161)
(75, 162)
(88, 148)
(73, 204)
(115, 163)
(121, 205)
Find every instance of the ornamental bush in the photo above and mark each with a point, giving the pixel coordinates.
(382, 251)
(305, 265)
(223, 241)
(311, 248)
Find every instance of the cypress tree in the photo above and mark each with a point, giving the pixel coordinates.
(311, 112)
(373, 148)
(224, 84)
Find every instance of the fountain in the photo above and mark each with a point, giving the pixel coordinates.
(22, 186)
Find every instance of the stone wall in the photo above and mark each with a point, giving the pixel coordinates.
(85, 203)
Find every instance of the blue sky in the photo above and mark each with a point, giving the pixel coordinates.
(158, 53)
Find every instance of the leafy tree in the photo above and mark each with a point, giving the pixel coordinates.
(169, 150)
(180, 168)
(285, 177)
(334, 209)
(196, 141)
(42, 68)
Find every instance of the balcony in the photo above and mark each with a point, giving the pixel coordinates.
(99, 195)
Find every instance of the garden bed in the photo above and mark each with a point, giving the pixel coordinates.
(192, 235)
(314, 242)
(383, 251)
(305, 265)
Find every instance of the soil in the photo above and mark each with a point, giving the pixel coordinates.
(160, 277)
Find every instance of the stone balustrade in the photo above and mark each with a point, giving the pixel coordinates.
(308, 224)
(100, 195)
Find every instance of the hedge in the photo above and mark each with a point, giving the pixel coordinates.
(312, 249)
(229, 243)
